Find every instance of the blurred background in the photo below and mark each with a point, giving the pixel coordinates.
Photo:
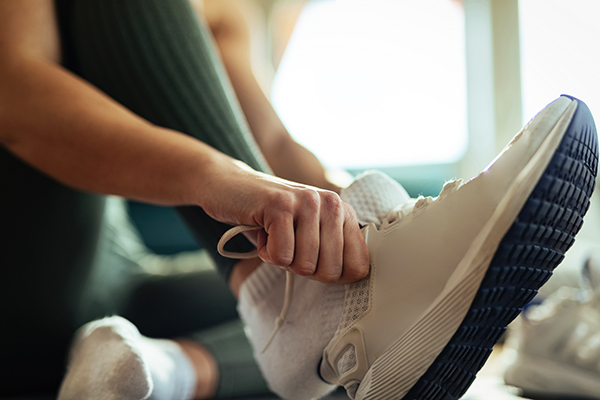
(424, 90)
(428, 90)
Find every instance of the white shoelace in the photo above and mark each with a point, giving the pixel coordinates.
(289, 276)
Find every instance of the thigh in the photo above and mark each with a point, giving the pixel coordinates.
(49, 241)
(160, 302)
(178, 305)
(157, 58)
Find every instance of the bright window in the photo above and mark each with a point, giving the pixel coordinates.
(376, 84)
(560, 52)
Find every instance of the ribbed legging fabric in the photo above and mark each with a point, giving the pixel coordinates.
(157, 59)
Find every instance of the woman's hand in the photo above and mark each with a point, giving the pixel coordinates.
(306, 230)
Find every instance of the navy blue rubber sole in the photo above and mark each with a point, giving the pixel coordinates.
(531, 249)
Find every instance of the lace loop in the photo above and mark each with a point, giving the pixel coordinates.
(227, 236)
(289, 276)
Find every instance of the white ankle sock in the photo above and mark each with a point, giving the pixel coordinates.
(290, 364)
(110, 360)
(172, 373)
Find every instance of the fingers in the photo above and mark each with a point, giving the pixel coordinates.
(331, 260)
(306, 230)
(276, 242)
(343, 253)
(306, 254)
(356, 253)
(315, 235)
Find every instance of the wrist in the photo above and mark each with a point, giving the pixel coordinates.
(216, 169)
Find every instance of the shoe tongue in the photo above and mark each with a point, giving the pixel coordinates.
(373, 195)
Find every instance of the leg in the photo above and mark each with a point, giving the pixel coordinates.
(198, 311)
(433, 274)
(218, 358)
(157, 59)
(50, 244)
(194, 309)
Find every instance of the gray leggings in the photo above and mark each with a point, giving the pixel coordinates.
(155, 58)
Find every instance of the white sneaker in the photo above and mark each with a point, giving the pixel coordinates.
(554, 349)
(448, 274)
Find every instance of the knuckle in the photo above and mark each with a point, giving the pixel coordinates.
(281, 260)
(329, 277)
(330, 273)
(304, 269)
(333, 202)
(362, 263)
(275, 253)
(311, 198)
(282, 201)
(349, 212)
(359, 273)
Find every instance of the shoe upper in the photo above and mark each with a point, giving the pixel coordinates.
(431, 252)
(428, 258)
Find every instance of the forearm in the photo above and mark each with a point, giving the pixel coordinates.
(71, 131)
(287, 158)
(298, 164)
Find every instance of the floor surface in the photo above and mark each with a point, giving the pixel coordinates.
(487, 386)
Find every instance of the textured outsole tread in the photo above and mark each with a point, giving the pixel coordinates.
(531, 249)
